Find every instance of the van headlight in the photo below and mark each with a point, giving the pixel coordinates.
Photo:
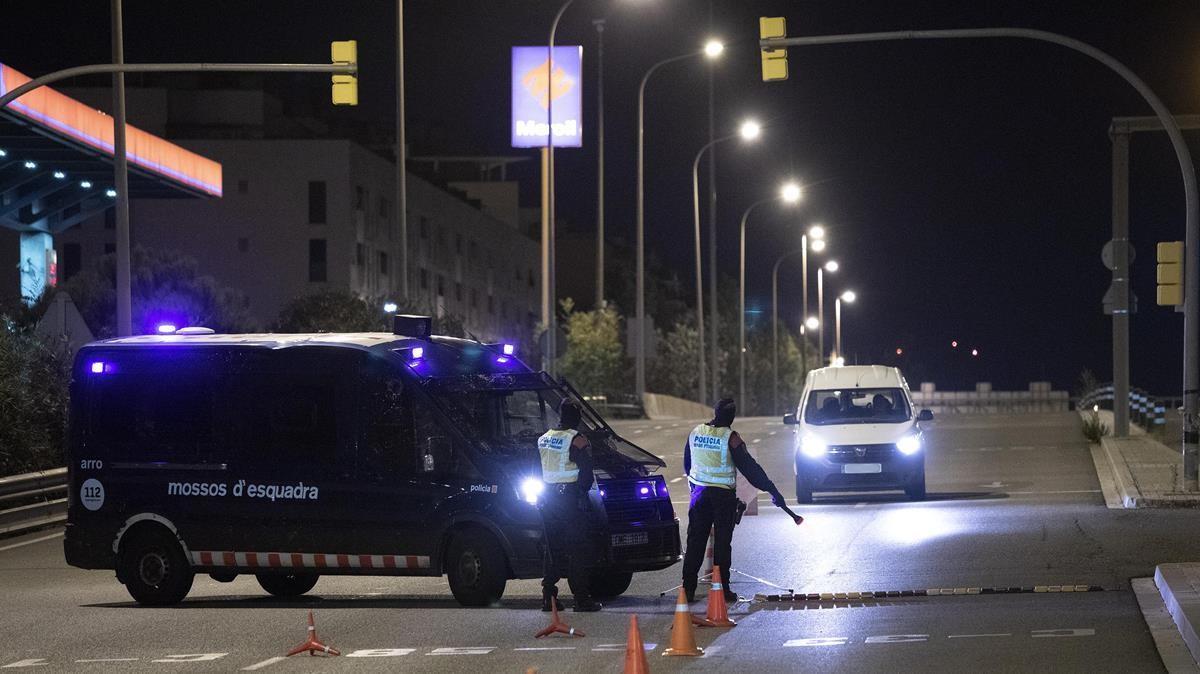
(909, 445)
(812, 446)
(531, 489)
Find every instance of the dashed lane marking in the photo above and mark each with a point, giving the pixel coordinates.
(1075, 632)
(979, 636)
(108, 660)
(673, 481)
(259, 665)
(546, 648)
(896, 638)
(772, 433)
(755, 441)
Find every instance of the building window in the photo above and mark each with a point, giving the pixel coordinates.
(110, 248)
(458, 294)
(72, 260)
(316, 260)
(316, 202)
(424, 227)
(360, 256)
(383, 263)
(424, 279)
(243, 186)
(243, 244)
(360, 198)
(110, 218)
(441, 285)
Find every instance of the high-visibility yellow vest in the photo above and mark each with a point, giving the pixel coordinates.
(712, 464)
(555, 448)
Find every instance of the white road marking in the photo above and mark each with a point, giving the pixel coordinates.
(755, 441)
(1065, 491)
(259, 665)
(1076, 632)
(772, 433)
(31, 542)
(996, 484)
(673, 481)
(896, 638)
(31, 662)
(109, 660)
(546, 648)
(381, 652)
(658, 428)
(816, 641)
(979, 636)
(637, 431)
(619, 648)
(463, 650)
(192, 657)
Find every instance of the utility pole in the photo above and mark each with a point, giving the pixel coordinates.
(121, 178)
(401, 153)
(599, 23)
(712, 231)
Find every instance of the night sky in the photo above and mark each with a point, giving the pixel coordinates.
(965, 184)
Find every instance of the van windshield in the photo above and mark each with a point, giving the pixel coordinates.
(857, 406)
(506, 414)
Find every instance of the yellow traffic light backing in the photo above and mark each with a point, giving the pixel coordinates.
(345, 87)
(774, 61)
(1170, 273)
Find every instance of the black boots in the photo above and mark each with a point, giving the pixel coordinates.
(550, 595)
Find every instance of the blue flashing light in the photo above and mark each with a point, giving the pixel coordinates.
(30, 164)
(3, 153)
(165, 329)
(97, 367)
(414, 364)
(509, 349)
(644, 491)
(110, 193)
(390, 307)
(418, 352)
(502, 359)
(603, 493)
(85, 184)
(59, 175)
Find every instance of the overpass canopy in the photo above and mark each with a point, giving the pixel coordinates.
(56, 170)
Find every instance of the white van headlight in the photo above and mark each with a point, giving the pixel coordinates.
(812, 446)
(531, 489)
(909, 445)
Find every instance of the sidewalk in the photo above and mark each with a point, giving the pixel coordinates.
(1139, 471)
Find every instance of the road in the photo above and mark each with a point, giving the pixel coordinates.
(1013, 501)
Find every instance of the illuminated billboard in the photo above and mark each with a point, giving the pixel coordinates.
(539, 85)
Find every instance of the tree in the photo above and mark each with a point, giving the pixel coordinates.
(673, 371)
(344, 311)
(166, 287)
(594, 361)
(33, 400)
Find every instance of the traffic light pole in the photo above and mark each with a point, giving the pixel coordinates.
(1191, 307)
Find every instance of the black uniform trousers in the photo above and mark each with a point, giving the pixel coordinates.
(568, 546)
(711, 508)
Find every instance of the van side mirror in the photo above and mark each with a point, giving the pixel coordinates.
(790, 419)
(438, 454)
(925, 415)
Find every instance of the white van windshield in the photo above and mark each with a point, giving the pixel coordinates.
(857, 406)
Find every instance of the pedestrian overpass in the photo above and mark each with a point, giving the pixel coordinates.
(56, 171)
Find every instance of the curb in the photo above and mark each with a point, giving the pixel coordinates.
(932, 592)
(1172, 650)
(1180, 599)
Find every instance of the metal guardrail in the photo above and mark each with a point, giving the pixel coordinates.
(1144, 409)
(41, 496)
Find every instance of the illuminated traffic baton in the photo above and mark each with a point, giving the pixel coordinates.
(795, 518)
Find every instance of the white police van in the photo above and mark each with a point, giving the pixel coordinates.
(295, 456)
(857, 431)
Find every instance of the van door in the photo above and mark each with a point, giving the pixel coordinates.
(401, 484)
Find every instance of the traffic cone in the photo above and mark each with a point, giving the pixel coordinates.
(718, 612)
(683, 641)
(312, 645)
(557, 625)
(635, 650)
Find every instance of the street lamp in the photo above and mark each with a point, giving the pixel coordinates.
(710, 51)
(818, 245)
(831, 266)
(713, 48)
(789, 193)
(750, 130)
(848, 297)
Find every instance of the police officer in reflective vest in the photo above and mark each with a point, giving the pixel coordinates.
(567, 471)
(712, 456)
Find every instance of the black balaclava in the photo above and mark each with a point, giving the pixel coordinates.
(724, 412)
(568, 415)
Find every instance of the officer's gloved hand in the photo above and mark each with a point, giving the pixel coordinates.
(777, 499)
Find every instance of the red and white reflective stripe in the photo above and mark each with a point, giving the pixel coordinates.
(307, 560)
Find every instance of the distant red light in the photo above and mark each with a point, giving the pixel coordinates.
(899, 352)
(974, 352)
(954, 344)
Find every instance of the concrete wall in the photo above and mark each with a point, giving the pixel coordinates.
(659, 406)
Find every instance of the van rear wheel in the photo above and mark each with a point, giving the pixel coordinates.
(154, 569)
(608, 583)
(476, 568)
(287, 584)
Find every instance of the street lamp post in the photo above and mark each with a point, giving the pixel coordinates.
(711, 50)
(849, 298)
(775, 329)
(549, 265)
(790, 194)
(750, 130)
(599, 24)
(831, 267)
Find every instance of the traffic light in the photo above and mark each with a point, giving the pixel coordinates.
(774, 61)
(345, 87)
(1170, 273)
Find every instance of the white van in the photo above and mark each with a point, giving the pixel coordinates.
(857, 431)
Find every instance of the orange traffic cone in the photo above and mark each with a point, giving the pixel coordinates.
(557, 625)
(312, 645)
(635, 650)
(718, 612)
(683, 641)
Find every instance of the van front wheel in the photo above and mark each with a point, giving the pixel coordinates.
(287, 585)
(804, 495)
(476, 568)
(154, 569)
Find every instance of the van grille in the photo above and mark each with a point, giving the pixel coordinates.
(861, 453)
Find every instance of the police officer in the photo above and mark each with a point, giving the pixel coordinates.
(712, 454)
(567, 472)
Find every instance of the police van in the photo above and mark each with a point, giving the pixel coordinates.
(295, 456)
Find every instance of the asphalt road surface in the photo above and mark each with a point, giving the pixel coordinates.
(1013, 501)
